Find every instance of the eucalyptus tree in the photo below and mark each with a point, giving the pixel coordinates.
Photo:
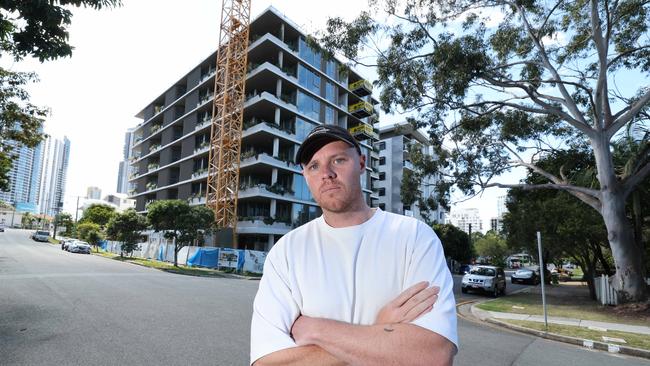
(499, 84)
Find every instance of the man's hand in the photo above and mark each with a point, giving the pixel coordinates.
(409, 305)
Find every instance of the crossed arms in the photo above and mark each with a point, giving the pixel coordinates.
(391, 340)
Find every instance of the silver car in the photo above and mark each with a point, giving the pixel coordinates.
(79, 246)
(488, 279)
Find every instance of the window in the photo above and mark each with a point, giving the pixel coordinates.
(308, 54)
(331, 69)
(330, 92)
(308, 106)
(329, 115)
(308, 79)
(382, 160)
(300, 188)
(382, 176)
(303, 128)
(382, 145)
(381, 192)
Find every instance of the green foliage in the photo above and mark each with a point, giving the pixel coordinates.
(178, 220)
(85, 228)
(455, 242)
(64, 219)
(39, 28)
(493, 246)
(6, 206)
(99, 214)
(30, 28)
(125, 227)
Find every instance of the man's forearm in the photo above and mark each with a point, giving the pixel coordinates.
(297, 356)
(398, 344)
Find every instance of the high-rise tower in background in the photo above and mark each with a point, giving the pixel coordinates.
(125, 168)
(25, 179)
(54, 170)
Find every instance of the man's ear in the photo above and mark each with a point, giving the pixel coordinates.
(362, 164)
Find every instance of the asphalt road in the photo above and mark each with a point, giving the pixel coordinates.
(59, 308)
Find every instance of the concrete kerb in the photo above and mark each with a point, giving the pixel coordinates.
(587, 343)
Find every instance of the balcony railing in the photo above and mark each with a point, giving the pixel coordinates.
(363, 130)
(361, 109)
(361, 87)
(200, 173)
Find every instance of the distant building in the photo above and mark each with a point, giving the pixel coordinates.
(464, 218)
(93, 193)
(24, 179)
(120, 201)
(124, 169)
(496, 223)
(54, 171)
(393, 159)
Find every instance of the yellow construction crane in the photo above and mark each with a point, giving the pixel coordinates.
(227, 116)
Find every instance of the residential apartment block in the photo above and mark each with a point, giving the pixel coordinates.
(290, 89)
(24, 179)
(467, 219)
(393, 149)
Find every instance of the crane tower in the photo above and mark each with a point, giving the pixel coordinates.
(227, 114)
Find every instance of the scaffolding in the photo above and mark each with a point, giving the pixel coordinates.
(227, 116)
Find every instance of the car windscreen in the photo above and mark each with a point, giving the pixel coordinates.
(482, 271)
(43, 233)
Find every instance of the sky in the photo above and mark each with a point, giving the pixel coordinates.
(123, 58)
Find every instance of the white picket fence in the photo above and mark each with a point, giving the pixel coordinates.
(605, 290)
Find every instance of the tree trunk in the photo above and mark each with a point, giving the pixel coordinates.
(629, 282)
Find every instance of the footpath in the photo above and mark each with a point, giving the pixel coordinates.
(591, 334)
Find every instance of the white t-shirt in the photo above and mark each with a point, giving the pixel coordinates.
(349, 274)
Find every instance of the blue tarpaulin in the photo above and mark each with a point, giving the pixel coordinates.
(161, 253)
(204, 257)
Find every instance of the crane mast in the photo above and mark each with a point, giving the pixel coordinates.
(227, 115)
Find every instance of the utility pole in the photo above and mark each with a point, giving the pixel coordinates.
(76, 211)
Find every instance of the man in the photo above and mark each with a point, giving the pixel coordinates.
(357, 285)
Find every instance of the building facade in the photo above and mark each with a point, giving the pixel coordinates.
(25, 179)
(467, 219)
(125, 168)
(54, 170)
(291, 88)
(393, 150)
(93, 193)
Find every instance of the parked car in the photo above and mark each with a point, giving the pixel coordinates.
(464, 268)
(2, 228)
(79, 246)
(487, 279)
(41, 235)
(526, 276)
(65, 243)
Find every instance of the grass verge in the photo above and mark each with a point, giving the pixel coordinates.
(641, 341)
(53, 241)
(167, 267)
(559, 306)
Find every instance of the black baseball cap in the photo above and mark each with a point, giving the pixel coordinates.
(321, 136)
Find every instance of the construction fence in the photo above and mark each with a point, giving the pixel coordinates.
(161, 249)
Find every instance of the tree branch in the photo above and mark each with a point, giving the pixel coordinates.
(603, 112)
(573, 108)
(633, 181)
(578, 192)
(626, 117)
